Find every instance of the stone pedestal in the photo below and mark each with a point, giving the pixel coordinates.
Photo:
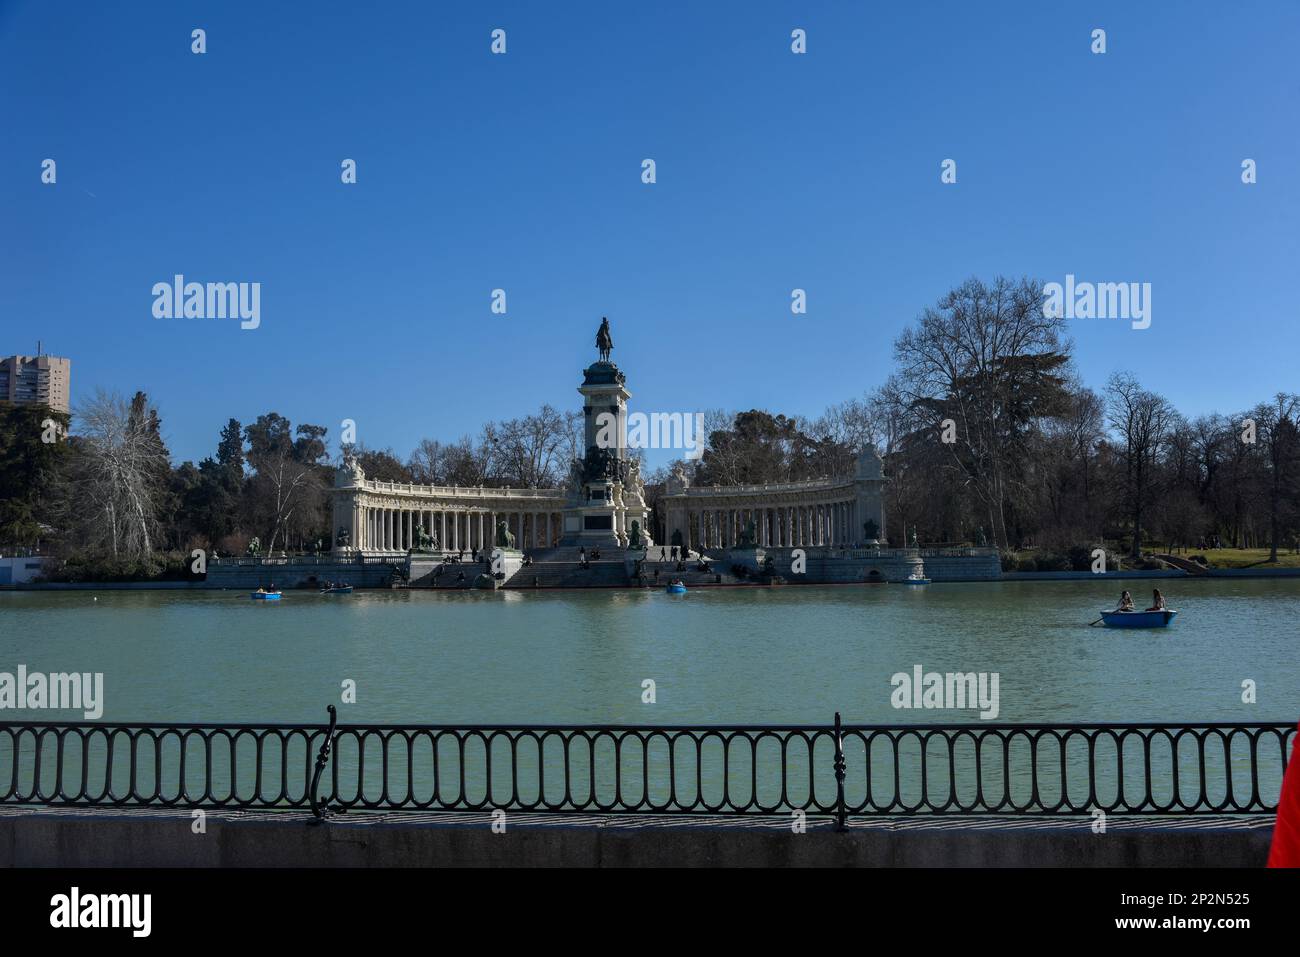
(748, 558)
(503, 563)
(605, 488)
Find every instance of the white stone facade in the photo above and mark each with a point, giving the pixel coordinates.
(382, 518)
(792, 514)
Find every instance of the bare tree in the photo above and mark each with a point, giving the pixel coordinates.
(986, 357)
(1278, 433)
(1143, 421)
(286, 469)
(533, 451)
(121, 472)
(427, 464)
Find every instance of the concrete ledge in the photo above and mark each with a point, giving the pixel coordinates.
(164, 838)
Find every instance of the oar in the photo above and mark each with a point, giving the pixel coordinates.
(1098, 621)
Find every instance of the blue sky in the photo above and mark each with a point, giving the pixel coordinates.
(522, 172)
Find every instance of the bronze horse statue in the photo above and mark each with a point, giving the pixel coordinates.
(604, 341)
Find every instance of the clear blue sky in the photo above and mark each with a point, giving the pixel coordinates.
(522, 171)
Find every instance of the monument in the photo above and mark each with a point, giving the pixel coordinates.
(605, 494)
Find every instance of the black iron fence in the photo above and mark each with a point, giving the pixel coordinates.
(835, 769)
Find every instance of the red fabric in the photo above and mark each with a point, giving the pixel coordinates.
(1286, 832)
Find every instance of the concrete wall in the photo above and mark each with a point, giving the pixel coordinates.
(19, 569)
(1081, 576)
(292, 574)
(109, 838)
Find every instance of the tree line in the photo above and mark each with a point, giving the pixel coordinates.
(987, 431)
(989, 434)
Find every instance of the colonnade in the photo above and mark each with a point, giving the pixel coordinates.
(380, 529)
(776, 526)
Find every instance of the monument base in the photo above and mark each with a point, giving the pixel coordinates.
(751, 559)
(503, 563)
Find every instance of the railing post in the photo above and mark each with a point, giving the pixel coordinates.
(322, 757)
(840, 813)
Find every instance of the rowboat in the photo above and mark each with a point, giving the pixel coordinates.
(337, 590)
(264, 595)
(1138, 619)
(916, 581)
(676, 588)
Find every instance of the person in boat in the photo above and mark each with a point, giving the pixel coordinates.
(1125, 602)
(1157, 600)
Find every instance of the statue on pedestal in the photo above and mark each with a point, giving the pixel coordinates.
(749, 537)
(604, 341)
(505, 537)
(424, 542)
(634, 537)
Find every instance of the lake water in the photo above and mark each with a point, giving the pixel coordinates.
(789, 655)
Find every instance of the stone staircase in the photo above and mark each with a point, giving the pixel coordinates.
(1192, 568)
(561, 567)
(719, 573)
(446, 581)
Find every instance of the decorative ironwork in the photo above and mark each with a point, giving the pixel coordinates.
(319, 810)
(838, 770)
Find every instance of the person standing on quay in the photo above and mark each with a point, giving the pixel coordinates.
(1285, 851)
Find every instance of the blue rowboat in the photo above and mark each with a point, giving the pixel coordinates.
(264, 595)
(916, 581)
(1138, 619)
(676, 588)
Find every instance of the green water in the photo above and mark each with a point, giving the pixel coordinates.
(791, 655)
